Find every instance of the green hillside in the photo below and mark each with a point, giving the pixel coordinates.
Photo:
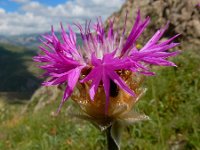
(18, 73)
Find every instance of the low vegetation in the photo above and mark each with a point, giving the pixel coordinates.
(172, 102)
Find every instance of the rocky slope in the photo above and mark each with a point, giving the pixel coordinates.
(184, 17)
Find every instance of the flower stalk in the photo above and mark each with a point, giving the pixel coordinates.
(112, 145)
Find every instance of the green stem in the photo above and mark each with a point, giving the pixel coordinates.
(111, 143)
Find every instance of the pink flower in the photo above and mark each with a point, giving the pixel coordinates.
(101, 57)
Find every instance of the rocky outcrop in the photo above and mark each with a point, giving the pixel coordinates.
(184, 17)
(42, 97)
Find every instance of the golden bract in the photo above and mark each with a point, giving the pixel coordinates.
(119, 105)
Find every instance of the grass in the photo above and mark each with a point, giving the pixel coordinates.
(172, 102)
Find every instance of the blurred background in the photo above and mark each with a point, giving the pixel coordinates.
(172, 100)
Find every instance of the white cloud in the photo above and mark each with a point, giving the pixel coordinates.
(36, 17)
(20, 1)
(34, 5)
(2, 11)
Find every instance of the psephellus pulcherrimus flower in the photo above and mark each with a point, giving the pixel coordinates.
(105, 67)
(105, 73)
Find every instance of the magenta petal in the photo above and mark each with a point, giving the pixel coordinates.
(165, 54)
(72, 79)
(71, 82)
(90, 76)
(158, 61)
(110, 30)
(72, 36)
(148, 73)
(94, 86)
(60, 80)
(115, 77)
(169, 40)
(156, 36)
(106, 84)
(135, 33)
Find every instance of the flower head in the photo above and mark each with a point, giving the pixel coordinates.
(102, 59)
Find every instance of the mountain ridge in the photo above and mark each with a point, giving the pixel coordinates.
(28, 40)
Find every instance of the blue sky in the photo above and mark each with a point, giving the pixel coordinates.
(12, 6)
(36, 16)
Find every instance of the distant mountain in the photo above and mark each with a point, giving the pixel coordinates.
(19, 74)
(30, 41)
(27, 40)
